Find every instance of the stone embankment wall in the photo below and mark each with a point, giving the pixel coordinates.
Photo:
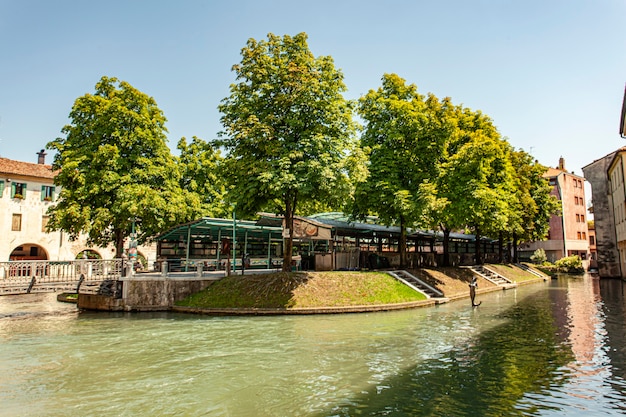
(146, 294)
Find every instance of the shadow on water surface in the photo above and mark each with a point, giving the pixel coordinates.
(488, 377)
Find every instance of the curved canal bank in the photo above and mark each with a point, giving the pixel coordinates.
(304, 292)
(342, 309)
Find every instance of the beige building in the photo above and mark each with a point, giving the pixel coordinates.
(27, 190)
(617, 197)
(568, 234)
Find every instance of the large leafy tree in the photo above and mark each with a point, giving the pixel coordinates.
(115, 169)
(287, 128)
(199, 164)
(474, 185)
(405, 138)
(480, 186)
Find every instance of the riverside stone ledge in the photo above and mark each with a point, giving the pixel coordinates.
(303, 311)
(146, 293)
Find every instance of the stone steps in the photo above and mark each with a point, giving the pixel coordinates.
(492, 276)
(532, 271)
(419, 285)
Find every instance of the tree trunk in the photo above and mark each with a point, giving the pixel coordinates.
(289, 211)
(446, 243)
(119, 243)
(515, 253)
(402, 243)
(501, 247)
(479, 259)
(509, 255)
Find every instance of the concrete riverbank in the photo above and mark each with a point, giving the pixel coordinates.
(155, 292)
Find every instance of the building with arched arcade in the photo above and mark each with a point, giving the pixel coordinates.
(27, 191)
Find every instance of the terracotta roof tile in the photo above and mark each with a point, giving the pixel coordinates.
(11, 167)
(553, 172)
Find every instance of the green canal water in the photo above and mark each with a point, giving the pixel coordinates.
(549, 349)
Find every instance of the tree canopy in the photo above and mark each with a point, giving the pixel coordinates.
(480, 186)
(432, 163)
(116, 169)
(287, 130)
(199, 164)
(404, 142)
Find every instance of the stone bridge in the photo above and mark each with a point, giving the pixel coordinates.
(23, 277)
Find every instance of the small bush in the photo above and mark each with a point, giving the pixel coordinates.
(570, 264)
(539, 257)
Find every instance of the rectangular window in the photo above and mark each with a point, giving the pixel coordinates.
(47, 193)
(1, 188)
(584, 236)
(578, 218)
(18, 190)
(592, 240)
(16, 226)
(44, 223)
(579, 235)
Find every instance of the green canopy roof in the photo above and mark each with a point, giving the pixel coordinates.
(213, 229)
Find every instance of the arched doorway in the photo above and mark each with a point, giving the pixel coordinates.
(88, 254)
(28, 252)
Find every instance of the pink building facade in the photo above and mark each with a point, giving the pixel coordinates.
(569, 234)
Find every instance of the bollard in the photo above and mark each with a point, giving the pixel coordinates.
(30, 287)
(80, 281)
(199, 269)
(164, 269)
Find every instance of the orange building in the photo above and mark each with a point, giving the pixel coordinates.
(568, 234)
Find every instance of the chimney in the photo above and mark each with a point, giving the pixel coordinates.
(41, 157)
(562, 164)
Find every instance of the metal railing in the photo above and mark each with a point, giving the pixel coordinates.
(30, 273)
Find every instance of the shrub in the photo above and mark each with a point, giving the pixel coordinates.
(539, 257)
(570, 264)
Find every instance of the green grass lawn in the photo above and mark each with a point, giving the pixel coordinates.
(303, 290)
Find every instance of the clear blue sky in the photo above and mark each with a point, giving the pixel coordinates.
(550, 73)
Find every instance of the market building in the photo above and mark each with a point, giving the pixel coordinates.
(326, 241)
